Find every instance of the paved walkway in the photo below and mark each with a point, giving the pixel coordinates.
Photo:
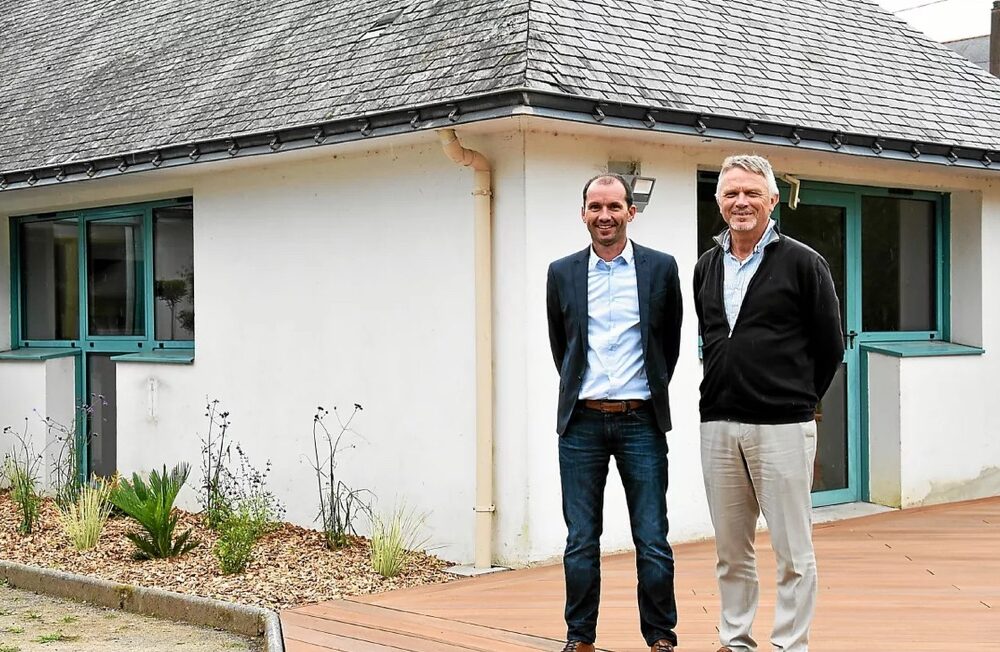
(918, 580)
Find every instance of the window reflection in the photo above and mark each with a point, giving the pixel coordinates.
(115, 277)
(50, 280)
(897, 249)
(173, 271)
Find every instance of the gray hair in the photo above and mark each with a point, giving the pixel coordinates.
(751, 163)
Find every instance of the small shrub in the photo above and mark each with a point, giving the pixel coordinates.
(83, 520)
(151, 505)
(227, 486)
(394, 538)
(339, 505)
(25, 494)
(20, 467)
(240, 532)
(234, 548)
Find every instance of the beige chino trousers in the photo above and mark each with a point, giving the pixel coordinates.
(749, 468)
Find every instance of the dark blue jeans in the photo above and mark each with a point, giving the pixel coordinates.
(640, 451)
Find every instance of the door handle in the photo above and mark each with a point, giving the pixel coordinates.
(851, 335)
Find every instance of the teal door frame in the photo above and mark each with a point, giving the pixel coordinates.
(850, 199)
(850, 202)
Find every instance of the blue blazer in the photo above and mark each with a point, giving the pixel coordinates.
(660, 314)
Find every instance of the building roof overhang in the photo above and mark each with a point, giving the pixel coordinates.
(494, 106)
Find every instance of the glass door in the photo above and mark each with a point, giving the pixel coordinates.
(826, 221)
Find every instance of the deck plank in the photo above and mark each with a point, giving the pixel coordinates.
(924, 580)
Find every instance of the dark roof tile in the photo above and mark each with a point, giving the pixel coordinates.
(91, 78)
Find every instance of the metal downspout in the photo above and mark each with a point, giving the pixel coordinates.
(483, 264)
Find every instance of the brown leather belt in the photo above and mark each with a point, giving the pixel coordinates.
(613, 407)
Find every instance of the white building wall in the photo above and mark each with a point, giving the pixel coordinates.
(346, 276)
(949, 449)
(34, 390)
(327, 283)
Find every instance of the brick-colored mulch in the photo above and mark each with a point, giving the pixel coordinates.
(290, 566)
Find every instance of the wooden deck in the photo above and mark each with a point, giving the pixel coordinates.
(924, 579)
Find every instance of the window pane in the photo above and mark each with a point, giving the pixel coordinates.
(898, 272)
(710, 222)
(173, 269)
(830, 465)
(115, 277)
(50, 280)
(822, 228)
(102, 450)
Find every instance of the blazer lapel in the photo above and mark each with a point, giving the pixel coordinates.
(643, 281)
(581, 300)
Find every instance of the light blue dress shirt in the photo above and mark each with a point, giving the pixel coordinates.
(615, 368)
(739, 273)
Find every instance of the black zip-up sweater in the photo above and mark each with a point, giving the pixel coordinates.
(787, 342)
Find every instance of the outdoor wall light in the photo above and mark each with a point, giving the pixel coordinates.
(642, 190)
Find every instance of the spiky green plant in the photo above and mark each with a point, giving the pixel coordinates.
(24, 491)
(393, 538)
(151, 505)
(83, 519)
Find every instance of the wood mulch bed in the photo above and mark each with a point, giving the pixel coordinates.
(291, 566)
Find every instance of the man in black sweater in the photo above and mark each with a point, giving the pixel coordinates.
(769, 319)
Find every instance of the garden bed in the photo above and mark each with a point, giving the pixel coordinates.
(291, 565)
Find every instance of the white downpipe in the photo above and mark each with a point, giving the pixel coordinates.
(483, 263)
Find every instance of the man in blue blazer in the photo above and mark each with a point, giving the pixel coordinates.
(614, 313)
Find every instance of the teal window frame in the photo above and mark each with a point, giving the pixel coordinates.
(903, 343)
(95, 343)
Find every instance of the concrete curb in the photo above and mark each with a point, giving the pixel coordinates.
(236, 618)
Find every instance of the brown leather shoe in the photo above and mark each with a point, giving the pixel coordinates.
(724, 649)
(662, 645)
(578, 646)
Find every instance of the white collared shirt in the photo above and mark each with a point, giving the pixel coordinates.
(615, 366)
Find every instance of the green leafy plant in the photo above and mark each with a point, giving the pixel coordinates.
(83, 519)
(9, 648)
(24, 491)
(394, 538)
(240, 532)
(234, 548)
(55, 637)
(339, 505)
(20, 468)
(151, 505)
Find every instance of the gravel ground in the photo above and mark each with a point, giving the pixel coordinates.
(31, 623)
(291, 566)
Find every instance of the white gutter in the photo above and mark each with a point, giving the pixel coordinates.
(483, 264)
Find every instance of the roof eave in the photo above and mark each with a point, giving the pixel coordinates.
(496, 105)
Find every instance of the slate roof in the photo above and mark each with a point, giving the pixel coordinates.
(110, 80)
(975, 49)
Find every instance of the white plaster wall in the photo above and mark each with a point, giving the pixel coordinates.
(884, 429)
(949, 448)
(60, 407)
(32, 391)
(23, 385)
(327, 283)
